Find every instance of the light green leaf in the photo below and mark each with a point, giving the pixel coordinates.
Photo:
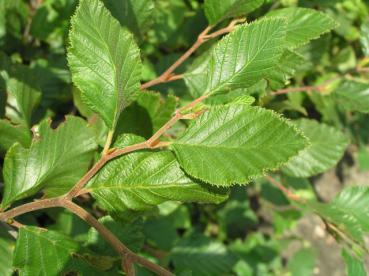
(104, 60)
(303, 25)
(353, 96)
(349, 211)
(217, 11)
(55, 161)
(285, 69)
(44, 252)
(22, 86)
(141, 180)
(354, 266)
(6, 254)
(3, 96)
(10, 134)
(235, 143)
(364, 38)
(203, 256)
(302, 263)
(131, 234)
(327, 146)
(136, 15)
(246, 55)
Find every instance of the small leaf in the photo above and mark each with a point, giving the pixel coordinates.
(235, 143)
(44, 252)
(11, 134)
(349, 211)
(104, 60)
(136, 15)
(364, 38)
(354, 266)
(303, 25)
(131, 234)
(55, 161)
(141, 180)
(246, 55)
(353, 96)
(327, 146)
(216, 11)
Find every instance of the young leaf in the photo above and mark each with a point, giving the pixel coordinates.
(303, 25)
(11, 134)
(45, 252)
(55, 161)
(141, 180)
(364, 38)
(217, 11)
(136, 15)
(353, 96)
(104, 60)
(322, 154)
(349, 211)
(233, 144)
(354, 266)
(245, 56)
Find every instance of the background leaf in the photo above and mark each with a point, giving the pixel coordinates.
(353, 96)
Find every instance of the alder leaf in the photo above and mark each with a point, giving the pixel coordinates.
(303, 25)
(136, 15)
(55, 161)
(364, 38)
(349, 211)
(141, 180)
(354, 266)
(11, 134)
(6, 254)
(353, 96)
(246, 55)
(104, 60)
(322, 154)
(235, 143)
(45, 252)
(217, 11)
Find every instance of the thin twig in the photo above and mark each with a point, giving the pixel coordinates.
(286, 191)
(204, 36)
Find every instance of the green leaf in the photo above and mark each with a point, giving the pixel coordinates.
(303, 25)
(136, 15)
(44, 252)
(130, 234)
(6, 254)
(349, 211)
(203, 256)
(3, 96)
(245, 56)
(302, 262)
(327, 146)
(22, 86)
(236, 143)
(56, 160)
(285, 69)
(11, 134)
(364, 38)
(104, 60)
(216, 11)
(354, 266)
(353, 96)
(141, 180)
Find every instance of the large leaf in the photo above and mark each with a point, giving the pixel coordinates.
(349, 211)
(216, 10)
(327, 146)
(45, 252)
(104, 60)
(364, 38)
(353, 96)
(136, 15)
(245, 56)
(11, 134)
(354, 266)
(141, 180)
(202, 256)
(235, 143)
(55, 161)
(303, 25)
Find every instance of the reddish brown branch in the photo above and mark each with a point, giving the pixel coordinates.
(289, 194)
